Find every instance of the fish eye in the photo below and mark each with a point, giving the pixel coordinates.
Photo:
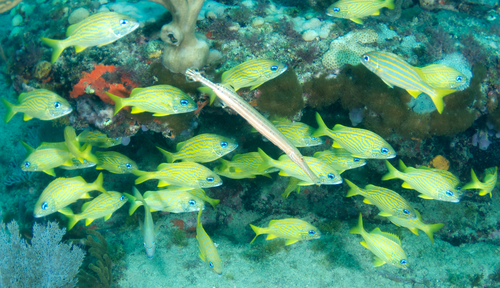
(184, 102)
(45, 205)
(356, 159)
(57, 104)
(460, 78)
(331, 176)
(27, 164)
(122, 197)
(406, 211)
(384, 150)
(123, 22)
(336, 9)
(458, 188)
(128, 165)
(312, 232)
(191, 202)
(366, 58)
(210, 179)
(274, 68)
(403, 261)
(449, 193)
(223, 144)
(211, 264)
(313, 138)
(84, 161)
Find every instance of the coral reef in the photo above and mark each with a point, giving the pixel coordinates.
(184, 48)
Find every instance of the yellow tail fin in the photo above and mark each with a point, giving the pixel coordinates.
(56, 45)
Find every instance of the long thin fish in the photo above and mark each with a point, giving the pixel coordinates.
(261, 124)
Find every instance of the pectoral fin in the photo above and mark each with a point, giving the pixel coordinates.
(377, 261)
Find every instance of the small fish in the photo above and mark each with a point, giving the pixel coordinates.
(441, 76)
(97, 30)
(208, 251)
(173, 200)
(39, 103)
(326, 174)
(298, 133)
(148, 228)
(340, 159)
(291, 229)
(115, 162)
(201, 148)
(389, 202)
(46, 159)
(385, 246)
(394, 71)
(416, 224)
(102, 206)
(185, 174)
(162, 100)
(254, 118)
(354, 10)
(243, 166)
(360, 143)
(61, 192)
(489, 181)
(74, 147)
(431, 184)
(251, 73)
(98, 139)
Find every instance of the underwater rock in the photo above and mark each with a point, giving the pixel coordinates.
(42, 69)
(78, 15)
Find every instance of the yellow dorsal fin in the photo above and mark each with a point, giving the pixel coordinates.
(414, 93)
(224, 75)
(71, 29)
(271, 236)
(392, 237)
(272, 222)
(162, 166)
(135, 91)
(84, 206)
(179, 145)
(406, 185)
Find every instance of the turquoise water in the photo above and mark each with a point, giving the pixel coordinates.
(325, 75)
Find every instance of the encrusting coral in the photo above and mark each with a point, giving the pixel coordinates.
(184, 48)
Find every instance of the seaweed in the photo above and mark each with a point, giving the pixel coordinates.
(100, 266)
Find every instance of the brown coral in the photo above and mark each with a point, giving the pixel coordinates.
(440, 162)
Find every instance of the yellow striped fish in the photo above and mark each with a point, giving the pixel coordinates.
(98, 139)
(360, 143)
(62, 146)
(39, 103)
(46, 159)
(298, 133)
(148, 228)
(185, 174)
(102, 206)
(431, 184)
(74, 147)
(97, 30)
(201, 148)
(354, 10)
(489, 181)
(243, 166)
(442, 77)
(447, 175)
(115, 162)
(385, 246)
(162, 100)
(173, 200)
(394, 71)
(340, 159)
(416, 224)
(200, 193)
(291, 229)
(326, 174)
(389, 202)
(254, 118)
(251, 73)
(61, 192)
(208, 251)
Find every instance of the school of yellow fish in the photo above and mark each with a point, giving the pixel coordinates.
(186, 178)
